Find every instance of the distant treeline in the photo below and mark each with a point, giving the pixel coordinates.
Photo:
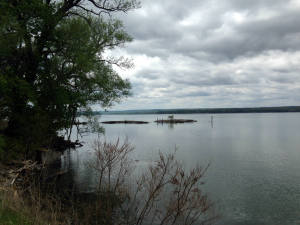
(203, 110)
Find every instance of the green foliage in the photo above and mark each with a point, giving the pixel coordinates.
(52, 63)
(10, 217)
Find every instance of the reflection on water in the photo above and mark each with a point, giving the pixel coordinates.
(255, 160)
(169, 125)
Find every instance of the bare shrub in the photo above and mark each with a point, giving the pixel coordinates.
(164, 194)
(112, 165)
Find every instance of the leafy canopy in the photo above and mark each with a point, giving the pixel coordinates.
(52, 63)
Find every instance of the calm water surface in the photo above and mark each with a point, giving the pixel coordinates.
(254, 176)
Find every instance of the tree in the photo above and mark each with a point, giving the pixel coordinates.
(52, 64)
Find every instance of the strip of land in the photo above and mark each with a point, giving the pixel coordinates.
(125, 121)
(175, 121)
(279, 109)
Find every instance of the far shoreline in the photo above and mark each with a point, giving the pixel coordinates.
(279, 109)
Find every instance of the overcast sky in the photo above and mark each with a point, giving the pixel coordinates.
(213, 53)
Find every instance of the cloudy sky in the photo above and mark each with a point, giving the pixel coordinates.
(213, 53)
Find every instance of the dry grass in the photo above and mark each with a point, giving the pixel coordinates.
(26, 200)
(32, 206)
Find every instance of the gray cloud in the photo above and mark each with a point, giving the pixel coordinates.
(217, 53)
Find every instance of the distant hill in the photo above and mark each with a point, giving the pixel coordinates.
(204, 110)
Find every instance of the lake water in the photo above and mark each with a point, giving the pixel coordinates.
(254, 173)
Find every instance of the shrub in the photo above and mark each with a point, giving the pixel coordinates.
(164, 194)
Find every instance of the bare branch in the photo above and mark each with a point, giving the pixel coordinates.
(121, 62)
(165, 194)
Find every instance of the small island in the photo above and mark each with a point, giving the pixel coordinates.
(172, 120)
(125, 122)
